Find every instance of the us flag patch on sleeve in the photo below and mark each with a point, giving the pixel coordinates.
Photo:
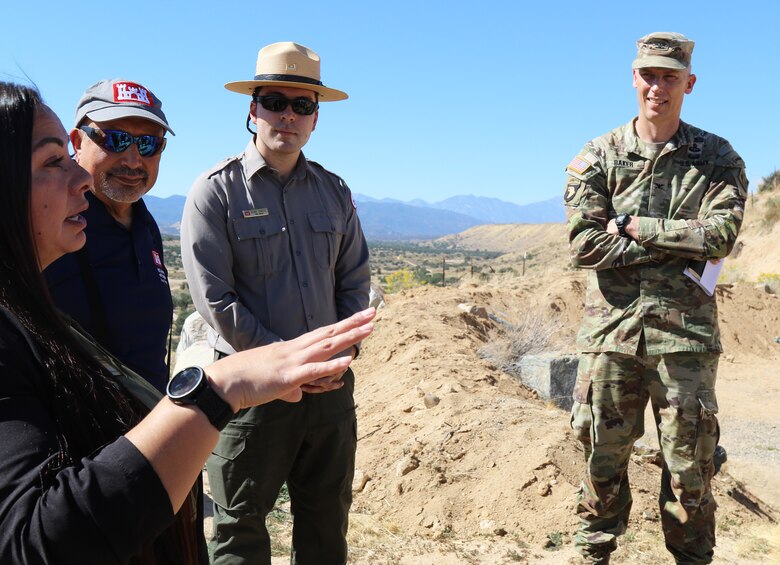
(578, 165)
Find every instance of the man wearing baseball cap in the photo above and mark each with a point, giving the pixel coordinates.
(116, 286)
(272, 248)
(644, 203)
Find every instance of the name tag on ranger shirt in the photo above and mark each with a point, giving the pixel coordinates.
(256, 213)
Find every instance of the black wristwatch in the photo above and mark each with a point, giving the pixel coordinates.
(621, 221)
(191, 386)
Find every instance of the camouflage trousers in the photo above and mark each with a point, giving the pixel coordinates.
(610, 397)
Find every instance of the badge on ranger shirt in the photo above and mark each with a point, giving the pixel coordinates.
(256, 213)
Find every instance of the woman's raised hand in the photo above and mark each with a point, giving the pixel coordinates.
(279, 370)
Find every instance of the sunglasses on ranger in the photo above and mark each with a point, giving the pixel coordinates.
(277, 103)
(117, 141)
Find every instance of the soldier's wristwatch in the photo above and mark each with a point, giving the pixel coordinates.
(191, 386)
(621, 221)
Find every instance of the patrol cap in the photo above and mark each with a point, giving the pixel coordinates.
(118, 98)
(663, 49)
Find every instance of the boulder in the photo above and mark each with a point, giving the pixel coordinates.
(551, 375)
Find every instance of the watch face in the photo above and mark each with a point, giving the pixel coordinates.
(184, 382)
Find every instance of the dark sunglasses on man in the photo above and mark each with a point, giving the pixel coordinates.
(117, 141)
(277, 103)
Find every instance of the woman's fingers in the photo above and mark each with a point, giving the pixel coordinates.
(326, 380)
(311, 372)
(286, 369)
(294, 396)
(319, 384)
(330, 346)
(324, 387)
(334, 330)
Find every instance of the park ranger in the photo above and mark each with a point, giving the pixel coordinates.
(272, 248)
(642, 202)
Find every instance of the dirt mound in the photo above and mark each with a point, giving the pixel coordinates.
(459, 463)
(756, 253)
(508, 237)
(749, 320)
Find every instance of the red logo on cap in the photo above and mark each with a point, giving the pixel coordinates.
(133, 93)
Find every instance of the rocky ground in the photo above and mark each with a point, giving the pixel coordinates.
(460, 463)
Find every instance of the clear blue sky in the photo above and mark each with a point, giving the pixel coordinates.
(446, 98)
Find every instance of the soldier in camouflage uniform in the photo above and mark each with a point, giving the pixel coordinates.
(642, 201)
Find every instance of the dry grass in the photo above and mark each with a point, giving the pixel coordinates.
(771, 213)
(532, 332)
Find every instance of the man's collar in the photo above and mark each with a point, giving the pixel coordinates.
(632, 142)
(255, 162)
(98, 211)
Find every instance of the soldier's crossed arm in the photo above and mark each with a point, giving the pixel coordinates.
(588, 211)
(713, 234)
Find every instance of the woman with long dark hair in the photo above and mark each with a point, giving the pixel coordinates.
(90, 471)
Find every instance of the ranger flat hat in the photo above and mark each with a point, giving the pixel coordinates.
(119, 98)
(664, 49)
(288, 64)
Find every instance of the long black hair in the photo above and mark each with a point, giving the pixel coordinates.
(88, 407)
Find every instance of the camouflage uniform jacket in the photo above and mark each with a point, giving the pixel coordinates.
(690, 199)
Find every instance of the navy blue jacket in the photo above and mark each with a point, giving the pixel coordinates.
(127, 304)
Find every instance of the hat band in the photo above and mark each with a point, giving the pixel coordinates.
(289, 78)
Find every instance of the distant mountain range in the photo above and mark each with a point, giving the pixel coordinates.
(391, 219)
(166, 211)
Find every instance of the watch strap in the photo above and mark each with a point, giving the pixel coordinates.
(621, 221)
(216, 410)
(203, 396)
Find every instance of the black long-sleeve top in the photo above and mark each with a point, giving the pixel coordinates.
(103, 509)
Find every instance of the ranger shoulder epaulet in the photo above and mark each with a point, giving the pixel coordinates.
(318, 167)
(220, 166)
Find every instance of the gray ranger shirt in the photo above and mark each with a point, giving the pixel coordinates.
(267, 262)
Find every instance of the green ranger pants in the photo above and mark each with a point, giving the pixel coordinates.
(311, 446)
(610, 396)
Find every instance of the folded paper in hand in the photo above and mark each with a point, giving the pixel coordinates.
(704, 273)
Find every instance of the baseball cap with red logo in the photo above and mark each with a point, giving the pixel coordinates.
(118, 98)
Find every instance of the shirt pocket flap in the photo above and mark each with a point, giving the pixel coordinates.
(326, 223)
(253, 228)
